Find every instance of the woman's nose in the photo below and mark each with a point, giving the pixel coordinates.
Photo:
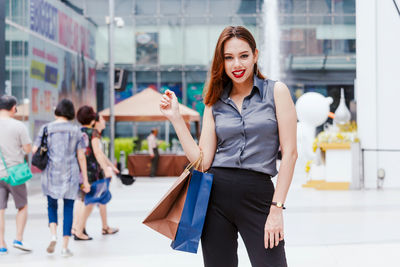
(236, 62)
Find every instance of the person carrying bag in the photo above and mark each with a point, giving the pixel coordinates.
(247, 117)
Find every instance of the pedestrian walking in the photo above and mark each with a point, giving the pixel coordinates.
(246, 119)
(60, 179)
(14, 144)
(152, 143)
(99, 167)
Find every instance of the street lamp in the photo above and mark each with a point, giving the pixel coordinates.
(111, 20)
(111, 75)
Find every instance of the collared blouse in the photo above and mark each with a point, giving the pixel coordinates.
(250, 139)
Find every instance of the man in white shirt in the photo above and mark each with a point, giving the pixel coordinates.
(14, 143)
(153, 151)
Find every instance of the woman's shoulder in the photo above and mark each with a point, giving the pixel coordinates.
(280, 88)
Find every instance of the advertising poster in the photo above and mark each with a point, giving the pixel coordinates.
(62, 60)
(128, 92)
(195, 97)
(146, 48)
(175, 87)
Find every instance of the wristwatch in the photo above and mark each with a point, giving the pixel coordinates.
(278, 204)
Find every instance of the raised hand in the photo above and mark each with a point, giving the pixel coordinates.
(169, 105)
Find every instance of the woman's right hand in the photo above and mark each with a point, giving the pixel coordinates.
(86, 187)
(169, 105)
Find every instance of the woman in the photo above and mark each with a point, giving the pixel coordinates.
(100, 125)
(246, 118)
(60, 179)
(98, 166)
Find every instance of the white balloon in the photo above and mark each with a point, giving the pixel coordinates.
(313, 108)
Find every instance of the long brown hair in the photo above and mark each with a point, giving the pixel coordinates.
(217, 76)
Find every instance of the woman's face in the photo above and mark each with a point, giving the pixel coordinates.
(101, 124)
(239, 60)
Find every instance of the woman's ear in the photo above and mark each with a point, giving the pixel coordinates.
(255, 56)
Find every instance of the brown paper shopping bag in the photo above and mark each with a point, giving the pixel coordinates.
(165, 216)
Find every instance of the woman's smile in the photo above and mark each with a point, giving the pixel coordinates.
(239, 73)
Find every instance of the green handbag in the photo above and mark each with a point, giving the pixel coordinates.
(17, 174)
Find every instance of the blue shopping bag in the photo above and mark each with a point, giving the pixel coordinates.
(99, 192)
(194, 213)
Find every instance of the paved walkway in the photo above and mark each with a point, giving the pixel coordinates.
(323, 229)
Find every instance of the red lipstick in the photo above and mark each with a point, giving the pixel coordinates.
(238, 73)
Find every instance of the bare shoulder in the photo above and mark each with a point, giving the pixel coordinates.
(280, 88)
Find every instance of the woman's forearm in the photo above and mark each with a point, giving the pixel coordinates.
(83, 167)
(285, 176)
(190, 147)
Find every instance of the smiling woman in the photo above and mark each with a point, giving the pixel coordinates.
(246, 119)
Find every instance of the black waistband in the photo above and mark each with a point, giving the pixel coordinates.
(239, 172)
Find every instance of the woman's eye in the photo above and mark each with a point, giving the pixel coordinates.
(228, 58)
(244, 56)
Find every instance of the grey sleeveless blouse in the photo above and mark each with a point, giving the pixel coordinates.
(247, 140)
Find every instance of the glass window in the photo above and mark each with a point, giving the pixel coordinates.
(123, 7)
(341, 47)
(320, 6)
(195, 7)
(299, 6)
(19, 11)
(169, 7)
(171, 41)
(196, 40)
(292, 6)
(124, 40)
(293, 20)
(223, 8)
(102, 44)
(148, 7)
(319, 20)
(285, 6)
(345, 20)
(99, 9)
(347, 6)
(247, 7)
(243, 20)
(145, 79)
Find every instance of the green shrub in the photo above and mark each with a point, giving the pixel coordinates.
(161, 145)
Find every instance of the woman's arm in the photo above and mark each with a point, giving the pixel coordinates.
(110, 164)
(100, 157)
(82, 164)
(287, 124)
(38, 141)
(208, 141)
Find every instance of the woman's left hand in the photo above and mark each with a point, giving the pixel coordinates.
(273, 231)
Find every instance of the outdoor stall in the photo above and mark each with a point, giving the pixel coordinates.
(144, 106)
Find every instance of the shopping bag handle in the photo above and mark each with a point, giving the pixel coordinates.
(197, 163)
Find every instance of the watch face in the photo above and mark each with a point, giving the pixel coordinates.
(279, 205)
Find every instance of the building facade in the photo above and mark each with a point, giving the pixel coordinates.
(170, 43)
(49, 55)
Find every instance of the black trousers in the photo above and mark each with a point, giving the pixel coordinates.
(154, 162)
(239, 203)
